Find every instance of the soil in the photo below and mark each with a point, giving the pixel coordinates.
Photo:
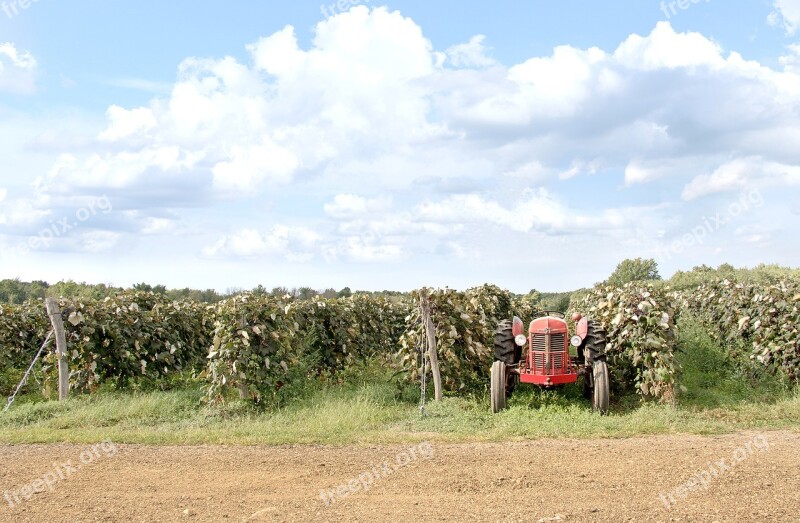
(663, 478)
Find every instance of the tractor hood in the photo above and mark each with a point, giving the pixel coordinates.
(549, 324)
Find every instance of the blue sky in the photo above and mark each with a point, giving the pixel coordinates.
(389, 145)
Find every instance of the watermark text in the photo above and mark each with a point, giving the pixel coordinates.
(60, 472)
(704, 478)
(367, 479)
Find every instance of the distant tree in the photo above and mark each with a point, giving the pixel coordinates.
(726, 270)
(330, 294)
(345, 293)
(180, 294)
(145, 287)
(83, 290)
(763, 274)
(17, 292)
(305, 293)
(553, 301)
(210, 296)
(634, 270)
(37, 290)
(13, 291)
(280, 292)
(206, 296)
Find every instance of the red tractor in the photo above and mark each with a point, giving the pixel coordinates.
(546, 360)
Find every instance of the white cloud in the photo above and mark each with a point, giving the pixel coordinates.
(531, 171)
(356, 249)
(3, 194)
(581, 167)
(248, 127)
(533, 211)
(99, 241)
(124, 123)
(296, 244)
(731, 176)
(635, 172)
(119, 170)
(786, 14)
(249, 166)
(740, 173)
(396, 226)
(141, 84)
(666, 49)
(473, 54)
(21, 59)
(17, 70)
(791, 61)
(349, 205)
(370, 103)
(452, 141)
(301, 244)
(664, 99)
(26, 212)
(278, 54)
(639, 171)
(156, 225)
(548, 87)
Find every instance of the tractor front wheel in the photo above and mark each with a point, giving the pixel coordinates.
(498, 386)
(600, 390)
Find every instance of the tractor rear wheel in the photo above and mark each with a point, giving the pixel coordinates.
(498, 386)
(600, 391)
(594, 345)
(505, 349)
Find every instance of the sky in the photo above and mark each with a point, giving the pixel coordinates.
(394, 145)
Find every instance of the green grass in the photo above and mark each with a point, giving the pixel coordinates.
(710, 378)
(363, 415)
(716, 397)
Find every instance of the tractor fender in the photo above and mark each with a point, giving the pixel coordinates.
(582, 328)
(517, 327)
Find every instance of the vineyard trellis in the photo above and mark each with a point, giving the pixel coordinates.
(756, 324)
(259, 346)
(639, 320)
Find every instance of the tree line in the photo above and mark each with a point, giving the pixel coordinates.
(14, 291)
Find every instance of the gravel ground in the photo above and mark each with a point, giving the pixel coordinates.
(737, 477)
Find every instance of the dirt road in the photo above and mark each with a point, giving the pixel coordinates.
(741, 477)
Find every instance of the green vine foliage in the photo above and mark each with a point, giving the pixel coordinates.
(261, 344)
(465, 323)
(129, 337)
(133, 336)
(640, 324)
(22, 331)
(354, 329)
(252, 346)
(758, 324)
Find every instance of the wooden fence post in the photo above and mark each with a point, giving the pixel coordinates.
(430, 332)
(61, 347)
